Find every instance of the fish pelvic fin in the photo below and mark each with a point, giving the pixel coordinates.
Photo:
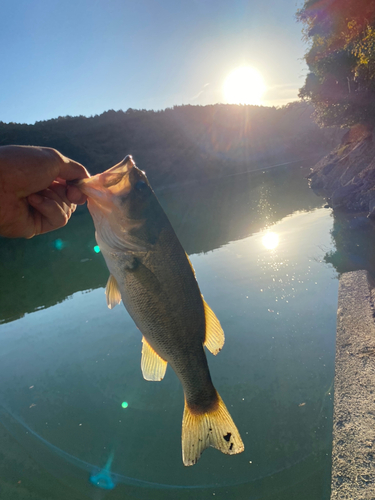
(213, 428)
(152, 365)
(112, 292)
(214, 339)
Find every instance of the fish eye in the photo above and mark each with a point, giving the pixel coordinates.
(140, 185)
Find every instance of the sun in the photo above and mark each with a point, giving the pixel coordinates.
(244, 85)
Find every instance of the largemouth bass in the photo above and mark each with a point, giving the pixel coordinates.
(152, 274)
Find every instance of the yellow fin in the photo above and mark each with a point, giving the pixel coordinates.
(214, 339)
(112, 292)
(214, 428)
(152, 365)
(191, 265)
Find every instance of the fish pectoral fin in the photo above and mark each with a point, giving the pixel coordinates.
(152, 365)
(214, 339)
(112, 292)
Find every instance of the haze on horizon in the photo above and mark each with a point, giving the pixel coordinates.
(84, 57)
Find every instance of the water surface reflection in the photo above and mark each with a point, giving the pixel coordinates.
(52, 267)
(67, 368)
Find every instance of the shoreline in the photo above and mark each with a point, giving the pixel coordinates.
(353, 439)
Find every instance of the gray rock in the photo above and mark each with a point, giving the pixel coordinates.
(327, 169)
(347, 175)
(371, 209)
(343, 194)
(316, 182)
(359, 222)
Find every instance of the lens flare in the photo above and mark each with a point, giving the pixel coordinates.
(58, 244)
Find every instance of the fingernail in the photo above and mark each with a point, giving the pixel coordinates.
(36, 199)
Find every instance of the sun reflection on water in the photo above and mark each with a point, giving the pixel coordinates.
(270, 240)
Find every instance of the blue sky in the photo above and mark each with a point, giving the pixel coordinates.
(83, 57)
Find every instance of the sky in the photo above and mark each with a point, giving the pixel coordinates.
(84, 57)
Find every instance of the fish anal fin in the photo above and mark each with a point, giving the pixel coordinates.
(112, 292)
(212, 428)
(214, 339)
(152, 365)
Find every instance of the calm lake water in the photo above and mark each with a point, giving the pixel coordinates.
(68, 363)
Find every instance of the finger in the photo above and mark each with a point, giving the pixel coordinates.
(52, 193)
(48, 214)
(28, 169)
(75, 195)
(70, 194)
(59, 190)
(70, 170)
(57, 193)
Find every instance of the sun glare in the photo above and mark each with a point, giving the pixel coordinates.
(270, 240)
(244, 85)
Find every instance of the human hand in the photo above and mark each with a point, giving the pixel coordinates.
(34, 195)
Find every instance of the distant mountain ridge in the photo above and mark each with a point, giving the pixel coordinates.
(182, 143)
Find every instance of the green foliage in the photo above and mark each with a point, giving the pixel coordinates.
(341, 59)
(184, 143)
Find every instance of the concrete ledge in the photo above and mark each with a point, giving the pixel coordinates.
(353, 453)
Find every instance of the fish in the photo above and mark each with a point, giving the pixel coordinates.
(153, 276)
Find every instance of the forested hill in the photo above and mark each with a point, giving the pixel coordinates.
(184, 143)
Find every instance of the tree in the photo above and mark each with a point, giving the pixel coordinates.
(341, 60)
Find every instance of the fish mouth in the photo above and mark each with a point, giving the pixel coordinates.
(111, 182)
(97, 198)
(89, 186)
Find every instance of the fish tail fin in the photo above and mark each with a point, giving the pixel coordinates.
(212, 428)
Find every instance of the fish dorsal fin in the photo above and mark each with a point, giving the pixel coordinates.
(214, 339)
(112, 292)
(152, 365)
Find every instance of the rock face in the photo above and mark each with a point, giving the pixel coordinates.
(346, 177)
